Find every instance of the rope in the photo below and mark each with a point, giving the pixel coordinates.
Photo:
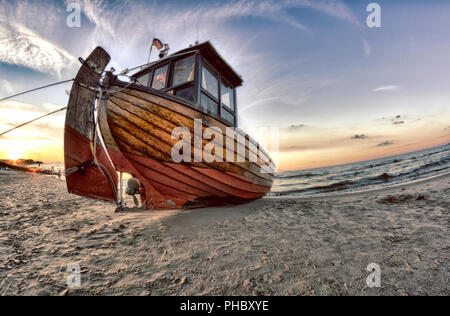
(87, 164)
(149, 64)
(32, 90)
(43, 87)
(14, 128)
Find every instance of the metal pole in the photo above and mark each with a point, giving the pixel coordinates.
(121, 190)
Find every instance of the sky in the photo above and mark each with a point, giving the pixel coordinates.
(337, 90)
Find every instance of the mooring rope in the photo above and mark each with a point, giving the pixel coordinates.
(87, 164)
(43, 87)
(48, 114)
(32, 90)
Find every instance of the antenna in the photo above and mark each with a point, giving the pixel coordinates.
(197, 33)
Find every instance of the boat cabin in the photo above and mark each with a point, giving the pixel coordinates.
(199, 75)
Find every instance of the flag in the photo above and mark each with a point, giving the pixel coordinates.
(157, 43)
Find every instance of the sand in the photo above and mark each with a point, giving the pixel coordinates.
(273, 246)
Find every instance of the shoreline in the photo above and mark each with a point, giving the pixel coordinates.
(400, 185)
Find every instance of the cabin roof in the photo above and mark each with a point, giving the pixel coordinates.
(211, 55)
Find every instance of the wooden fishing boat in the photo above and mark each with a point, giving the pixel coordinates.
(129, 126)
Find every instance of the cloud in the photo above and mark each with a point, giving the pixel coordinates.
(397, 120)
(115, 20)
(14, 105)
(50, 107)
(22, 46)
(296, 127)
(6, 87)
(361, 136)
(386, 88)
(367, 48)
(386, 143)
(13, 113)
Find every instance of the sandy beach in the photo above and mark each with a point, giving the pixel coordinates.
(273, 246)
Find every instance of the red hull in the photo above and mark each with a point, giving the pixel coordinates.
(93, 182)
(87, 175)
(173, 186)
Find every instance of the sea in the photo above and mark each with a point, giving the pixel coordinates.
(367, 175)
(360, 176)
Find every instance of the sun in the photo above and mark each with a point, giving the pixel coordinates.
(15, 152)
(14, 155)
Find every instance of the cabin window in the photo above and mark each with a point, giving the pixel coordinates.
(227, 96)
(209, 97)
(160, 78)
(186, 93)
(228, 116)
(144, 79)
(184, 71)
(209, 104)
(210, 83)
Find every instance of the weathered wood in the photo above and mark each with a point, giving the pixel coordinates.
(163, 123)
(150, 100)
(153, 147)
(93, 181)
(80, 111)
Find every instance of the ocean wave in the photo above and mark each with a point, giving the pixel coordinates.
(365, 175)
(295, 176)
(384, 176)
(339, 186)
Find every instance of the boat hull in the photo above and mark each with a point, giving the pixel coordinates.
(137, 126)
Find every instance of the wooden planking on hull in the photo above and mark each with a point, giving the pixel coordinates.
(221, 184)
(162, 126)
(201, 178)
(126, 134)
(169, 183)
(171, 110)
(160, 139)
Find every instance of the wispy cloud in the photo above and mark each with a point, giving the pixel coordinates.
(296, 127)
(13, 113)
(24, 47)
(386, 143)
(367, 48)
(386, 88)
(106, 17)
(6, 87)
(359, 136)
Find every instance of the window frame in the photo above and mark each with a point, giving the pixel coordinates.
(150, 75)
(167, 75)
(224, 82)
(196, 84)
(170, 88)
(172, 72)
(208, 94)
(215, 74)
(221, 80)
